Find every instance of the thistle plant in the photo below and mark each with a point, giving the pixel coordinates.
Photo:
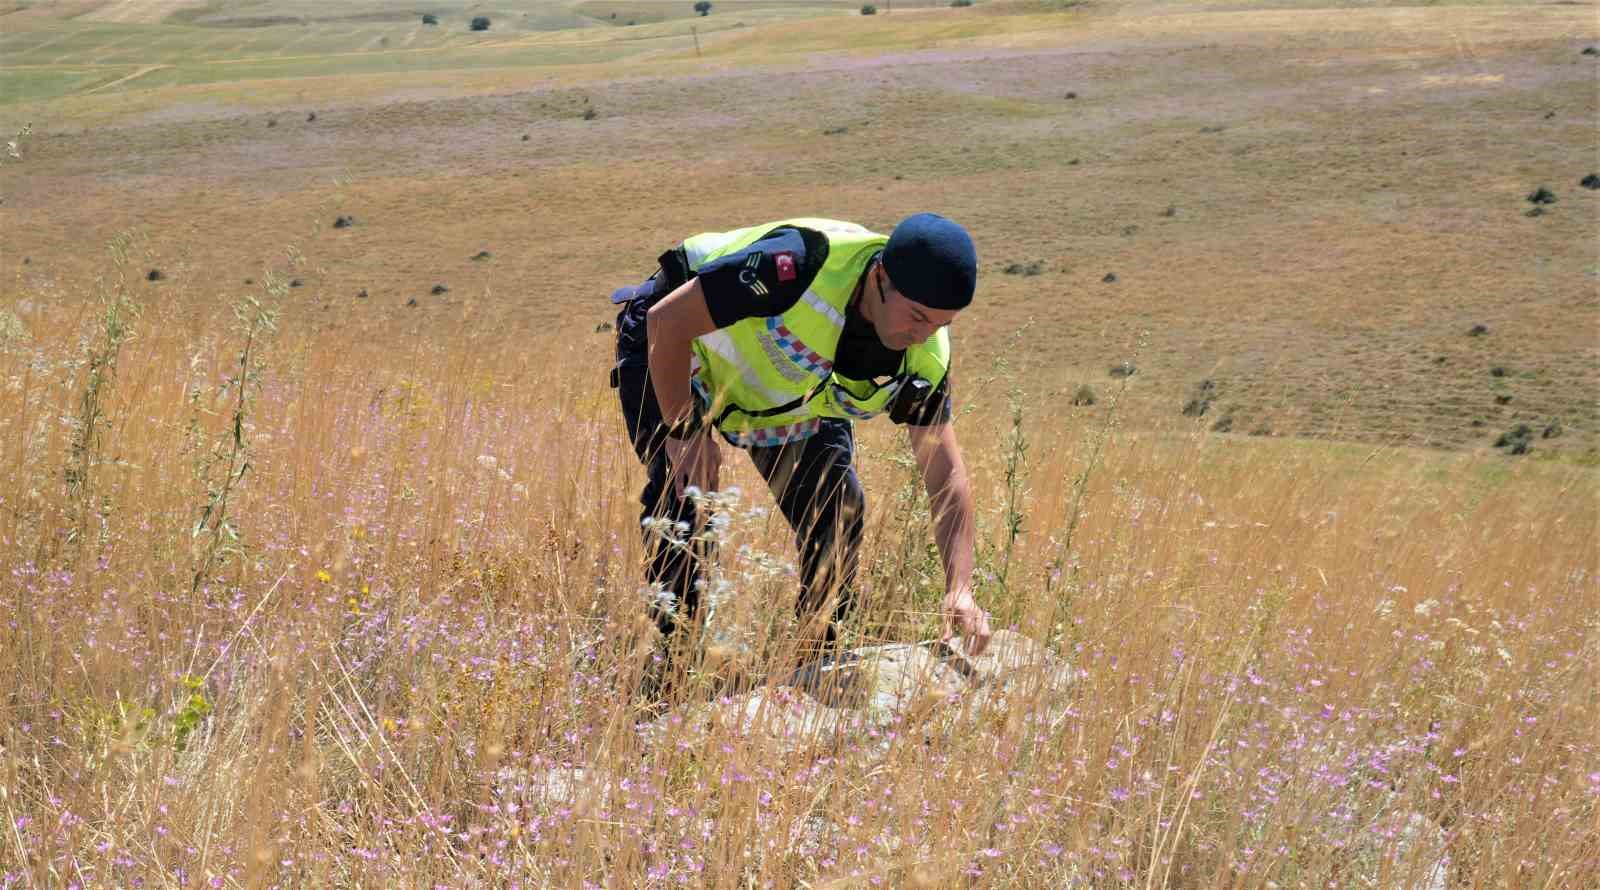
(114, 329)
(215, 538)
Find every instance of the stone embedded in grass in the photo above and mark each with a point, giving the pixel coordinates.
(361, 294)
(1028, 269)
(411, 303)
(1592, 181)
(1534, 211)
(154, 275)
(481, 255)
(1111, 278)
(1171, 211)
(439, 289)
(295, 282)
(1553, 430)
(1498, 371)
(1541, 195)
(590, 114)
(1477, 330)
(1072, 95)
(857, 695)
(525, 137)
(1200, 403)
(1084, 397)
(1503, 399)
(344, 222)
(836, 131)
(311, 118)
(272, 123)
(1214, 128)
(1122, 369)
(1224, 424)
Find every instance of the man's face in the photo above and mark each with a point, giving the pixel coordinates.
(903, 322)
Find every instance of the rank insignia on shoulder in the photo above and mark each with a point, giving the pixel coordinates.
(786, 267)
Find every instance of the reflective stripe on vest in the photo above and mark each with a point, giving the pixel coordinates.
(769, 380)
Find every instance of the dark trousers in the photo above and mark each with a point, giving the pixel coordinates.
(814, 481)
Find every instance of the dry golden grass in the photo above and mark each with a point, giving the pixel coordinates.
(434, 610)
(1335, 660)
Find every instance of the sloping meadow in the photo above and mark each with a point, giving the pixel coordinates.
(290, 606)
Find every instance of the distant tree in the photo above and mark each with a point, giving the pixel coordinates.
(480, 23)
(869, 9)
(429, 18)
(703, 7)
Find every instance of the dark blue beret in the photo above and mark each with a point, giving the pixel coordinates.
(931, 260)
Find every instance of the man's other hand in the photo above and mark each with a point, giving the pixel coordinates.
(695, 461)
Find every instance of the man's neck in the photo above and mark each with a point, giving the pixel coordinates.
(868, 297)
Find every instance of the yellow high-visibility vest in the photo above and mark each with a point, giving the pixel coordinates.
(768, 381)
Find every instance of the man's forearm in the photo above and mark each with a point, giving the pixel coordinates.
(671, 326)
(950, 496)
(954, 531)
(669, 375)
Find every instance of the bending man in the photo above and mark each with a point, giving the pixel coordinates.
(774, 339)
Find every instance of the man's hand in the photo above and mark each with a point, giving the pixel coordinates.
(694, 461)
(961, 614)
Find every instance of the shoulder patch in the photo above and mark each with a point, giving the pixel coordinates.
(786, 266)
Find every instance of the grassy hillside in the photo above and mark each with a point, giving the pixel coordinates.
(321, 545)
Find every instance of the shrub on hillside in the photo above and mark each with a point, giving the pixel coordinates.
(1541, 195)
(960, 3)
(429, 18)
(480, 23)
(703, 7)
(1028, 269)
(1084, 396)
(1517, 440)
(1592, 181)
(869, 9)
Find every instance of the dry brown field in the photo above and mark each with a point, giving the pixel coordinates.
(314, 574)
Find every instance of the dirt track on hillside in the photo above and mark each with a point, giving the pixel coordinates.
(144, 12)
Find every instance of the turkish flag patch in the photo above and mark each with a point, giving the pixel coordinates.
(786, 269)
